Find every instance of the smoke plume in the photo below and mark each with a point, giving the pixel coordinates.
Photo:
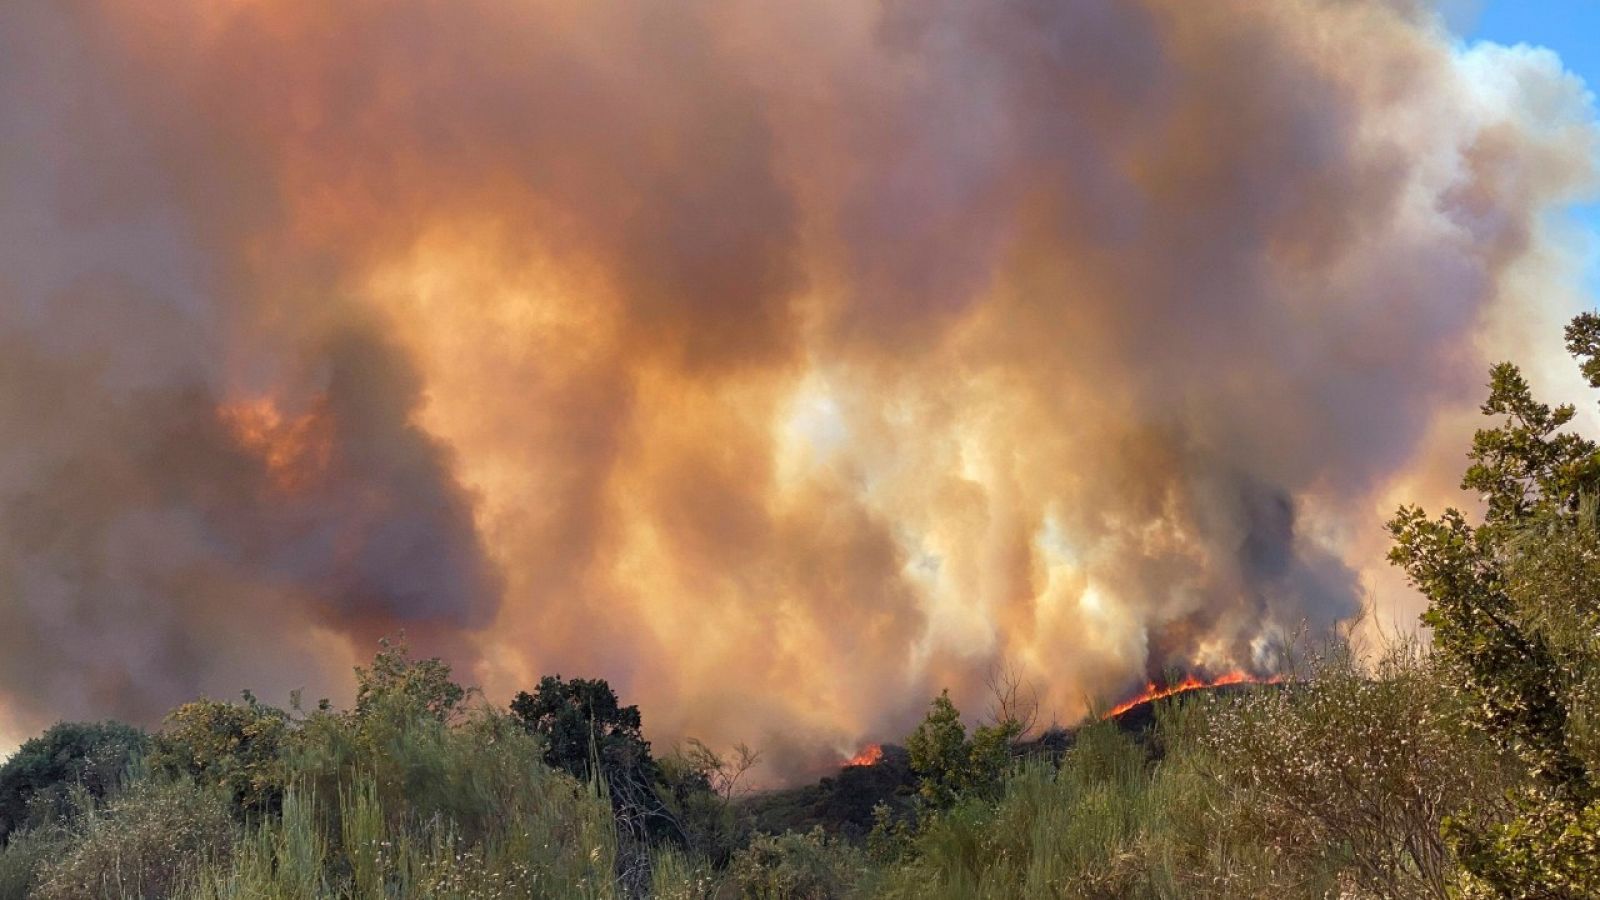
(781, 363)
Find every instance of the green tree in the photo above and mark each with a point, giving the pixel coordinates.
(589, 733)
(1495, 590)
(36, 782)
(948, 764)
(582, 721)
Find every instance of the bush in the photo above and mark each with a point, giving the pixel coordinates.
(35, 783)
(235, 746)
(949, 765)
(423, 686)
(141, 845)
(796, 866)
(1337, 785)
(675, 875)
(1068, 832)
(553, 844)
(1351, 773)
(26, 854)
(397, 802)
(698, 789)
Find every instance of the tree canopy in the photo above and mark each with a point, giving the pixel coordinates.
(582, 721)
(92, 756)
(1512, 608)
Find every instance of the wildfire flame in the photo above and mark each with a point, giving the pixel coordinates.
(1153, 691)
(869, 756)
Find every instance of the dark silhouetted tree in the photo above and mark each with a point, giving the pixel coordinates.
(581, 722)
(584, 726)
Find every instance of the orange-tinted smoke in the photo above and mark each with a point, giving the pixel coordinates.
(780, 365)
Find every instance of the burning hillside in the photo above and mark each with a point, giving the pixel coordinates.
(1153, 691)
(848, 347)
(869, 755)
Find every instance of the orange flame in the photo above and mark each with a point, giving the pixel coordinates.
(869, 756)
(1153, 691)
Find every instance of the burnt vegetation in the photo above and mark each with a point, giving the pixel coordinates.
(1460, 765)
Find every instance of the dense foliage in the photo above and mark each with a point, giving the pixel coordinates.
(949, 764)
(583, 723)
(1463, 767)
(1513, 613)
(37, 781)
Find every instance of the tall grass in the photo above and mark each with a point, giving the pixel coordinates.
(423, 809)
(141, 845)
(27, 853)
(675, 875)
(1079, 830)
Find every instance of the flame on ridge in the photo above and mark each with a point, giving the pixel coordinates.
(870, 755)
(1153, 691)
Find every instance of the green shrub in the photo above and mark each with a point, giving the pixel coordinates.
(141, 845)
(235, 746)
(36, 781)
(1349, 774)
(398, 803)
(697, 793)
(796, 866)
(1075, 831)
(421, 686)
(949, 764)
(675, 875)
(24, 856)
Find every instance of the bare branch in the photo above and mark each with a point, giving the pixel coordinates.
(1012, 698)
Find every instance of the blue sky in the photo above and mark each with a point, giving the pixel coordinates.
(1569, 27)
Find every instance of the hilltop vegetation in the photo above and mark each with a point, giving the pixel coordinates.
(1466, 767)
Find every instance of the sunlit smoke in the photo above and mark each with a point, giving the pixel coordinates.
(782, 364)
